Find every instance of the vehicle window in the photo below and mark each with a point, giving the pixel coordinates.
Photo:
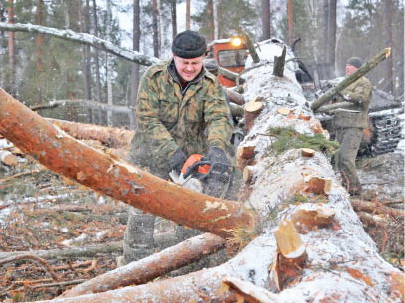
(230, 58)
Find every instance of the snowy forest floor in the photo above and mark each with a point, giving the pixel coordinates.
(40, 210)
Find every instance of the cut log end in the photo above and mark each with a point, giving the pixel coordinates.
(8, 158)
(284, 111)
(312, 219)
(307, 152)
(245, 156)
(290, 257)
(318, 185)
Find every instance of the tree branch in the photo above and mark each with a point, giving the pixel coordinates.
(83, 38)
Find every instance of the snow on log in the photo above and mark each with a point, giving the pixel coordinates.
(113, 177)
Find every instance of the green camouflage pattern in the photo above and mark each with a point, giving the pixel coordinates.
(167, 119)
(359, 94)
(349, 131)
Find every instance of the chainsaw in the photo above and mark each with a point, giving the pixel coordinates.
(204, 176)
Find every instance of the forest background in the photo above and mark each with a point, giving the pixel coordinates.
(39, 69)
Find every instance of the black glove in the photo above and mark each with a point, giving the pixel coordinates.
(177, 160)
(217, 155)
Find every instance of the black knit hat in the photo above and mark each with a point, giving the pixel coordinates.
(189, 44)
(355, 61)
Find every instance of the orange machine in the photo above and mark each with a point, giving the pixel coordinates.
(230, 54)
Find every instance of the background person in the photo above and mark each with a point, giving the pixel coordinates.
(349, 124)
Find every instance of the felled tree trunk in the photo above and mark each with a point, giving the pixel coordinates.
(64, 155)
(154, 266)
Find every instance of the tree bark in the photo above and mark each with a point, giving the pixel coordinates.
(188, 5)
(388, 34)
(115, 178)
(331, 35)
(155, 28)
(11, 51)
(136, 38)
(235, 97)
(364, 69)
(290, 13)
(266, 21)
(173, 10)
(40, 37)
(98, 95)
(154, 266)
(279, 62)
(84, 25)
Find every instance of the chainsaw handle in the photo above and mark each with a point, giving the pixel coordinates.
(193, 168)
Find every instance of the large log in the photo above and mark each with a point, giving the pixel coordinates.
(364, 69)
(64, 155)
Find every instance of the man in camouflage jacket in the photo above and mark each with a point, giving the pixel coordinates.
(181, 110)
(349, 124)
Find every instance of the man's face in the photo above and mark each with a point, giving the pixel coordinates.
(350, 69)
(188, 69)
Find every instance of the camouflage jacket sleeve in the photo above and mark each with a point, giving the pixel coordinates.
(147, 113)
(218, 117)
(359, 92)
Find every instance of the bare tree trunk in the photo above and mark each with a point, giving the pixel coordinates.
(389, 42)
(97, 116)
(84, 25)
(136, 38)
(11, 52)
(155, 27)
(290, 14)
(265, 16)
(173, 10)
(109, 65)
(188, 14)
(216, 18)
(211, 20)
(331, 36)
(40, 37)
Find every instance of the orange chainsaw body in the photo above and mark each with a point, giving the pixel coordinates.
(194, 158)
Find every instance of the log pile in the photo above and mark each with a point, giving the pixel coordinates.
(301, 228)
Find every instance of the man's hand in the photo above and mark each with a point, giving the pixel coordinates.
(177, 160)
(217, 155)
